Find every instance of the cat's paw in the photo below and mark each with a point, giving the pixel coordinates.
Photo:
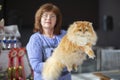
(75, 67)
(92, 57)
(91, 54)
(69, 69)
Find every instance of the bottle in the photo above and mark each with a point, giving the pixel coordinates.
(9, 43)
(15, 42)
(4, 43)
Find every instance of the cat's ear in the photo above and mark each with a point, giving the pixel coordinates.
(90, 23)
(72, 27)
(2, 22)
(75, 23)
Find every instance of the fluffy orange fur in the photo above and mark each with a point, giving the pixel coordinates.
(72, 50)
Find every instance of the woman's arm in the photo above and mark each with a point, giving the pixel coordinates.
(34, 51)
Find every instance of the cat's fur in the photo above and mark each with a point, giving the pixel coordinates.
(72, 50)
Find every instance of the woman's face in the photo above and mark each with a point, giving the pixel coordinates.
(48, 20)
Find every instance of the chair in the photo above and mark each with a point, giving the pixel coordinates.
(110, 59)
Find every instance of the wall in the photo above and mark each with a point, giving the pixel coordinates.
(22, 12)
(109, 37)
(1, 8)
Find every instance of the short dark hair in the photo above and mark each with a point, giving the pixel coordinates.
(45, 8)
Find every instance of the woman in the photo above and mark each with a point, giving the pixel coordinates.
(47, 36)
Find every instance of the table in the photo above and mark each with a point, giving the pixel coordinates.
(85, 76)
(108, 75)
(102, 75)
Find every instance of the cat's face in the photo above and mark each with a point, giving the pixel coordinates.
(82, 31)
(82, 28)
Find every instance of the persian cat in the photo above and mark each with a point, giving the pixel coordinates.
(72, 50)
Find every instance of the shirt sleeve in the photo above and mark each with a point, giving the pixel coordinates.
(34, 51)
(63, 32)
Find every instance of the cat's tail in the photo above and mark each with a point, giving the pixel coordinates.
(52, 69)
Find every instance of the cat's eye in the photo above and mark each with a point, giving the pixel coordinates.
(80, 29)
(86, 29)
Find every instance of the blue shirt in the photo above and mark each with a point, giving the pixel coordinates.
(39, 48)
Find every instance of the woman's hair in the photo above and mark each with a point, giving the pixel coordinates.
(46, 8)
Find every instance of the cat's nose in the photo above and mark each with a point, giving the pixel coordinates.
(83, 32)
